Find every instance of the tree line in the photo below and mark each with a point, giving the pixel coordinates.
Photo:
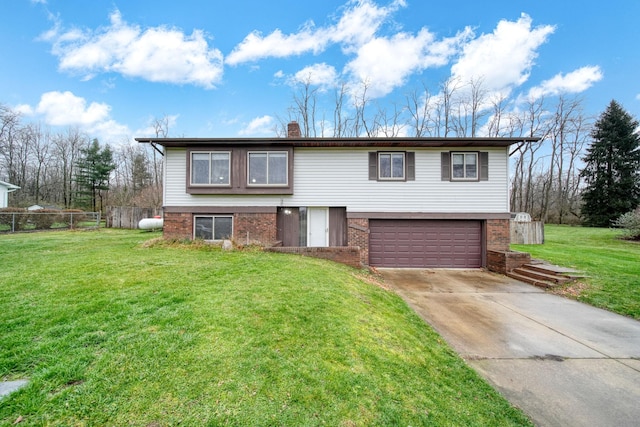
(547, 179)
(552, 178)
(71, 170)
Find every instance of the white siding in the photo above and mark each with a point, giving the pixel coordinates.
(339, 177)
(4, 196)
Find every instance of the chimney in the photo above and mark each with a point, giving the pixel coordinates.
(293, 130)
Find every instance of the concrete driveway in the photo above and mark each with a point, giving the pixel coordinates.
(562, 362)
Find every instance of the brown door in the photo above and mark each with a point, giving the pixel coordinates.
(425, 243)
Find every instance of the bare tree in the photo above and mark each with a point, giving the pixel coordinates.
(420, 108)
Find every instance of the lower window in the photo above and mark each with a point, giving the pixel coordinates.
(213, 227)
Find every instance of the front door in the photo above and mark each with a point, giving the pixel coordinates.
(318, 227)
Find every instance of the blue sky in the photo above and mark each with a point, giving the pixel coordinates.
(228, 68)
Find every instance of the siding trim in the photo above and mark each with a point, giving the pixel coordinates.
(220, 209)
(429, 215)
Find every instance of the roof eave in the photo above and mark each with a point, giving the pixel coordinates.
(340, 142)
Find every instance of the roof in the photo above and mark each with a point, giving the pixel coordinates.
(10, 187)
(341, 142)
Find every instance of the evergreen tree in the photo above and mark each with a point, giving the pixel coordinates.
(611, 172)
(92, 178)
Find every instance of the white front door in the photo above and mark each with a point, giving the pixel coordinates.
(318, 227)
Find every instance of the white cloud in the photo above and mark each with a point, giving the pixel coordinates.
(385, 63)
(277, 45)
(67, 109)
(157, 54)
(360, 20)
(260, 126)
(504, 58)
(321, 75)
(24, 109)
(574, 82)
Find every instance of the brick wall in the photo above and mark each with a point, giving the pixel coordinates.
(358, 236)
(255, 228)
(498, 234)
(342, 254)
(178, 226)
(504, 261)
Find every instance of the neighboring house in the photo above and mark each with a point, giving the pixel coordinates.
(5, 189)
(405, 202)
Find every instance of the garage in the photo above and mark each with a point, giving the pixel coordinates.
(425, 243)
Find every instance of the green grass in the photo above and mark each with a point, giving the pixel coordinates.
(113, 332)
(612, 264)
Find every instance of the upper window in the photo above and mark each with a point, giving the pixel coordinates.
(464, 166)
(390, 166)
(268, 168)
(210, 168)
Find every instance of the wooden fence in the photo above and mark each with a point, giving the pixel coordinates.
(527, 233)
(128, 216)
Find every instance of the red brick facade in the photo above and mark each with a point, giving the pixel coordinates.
(178, 226)
(345, 255)
(261, 229)
(255, 228)
(358, 236)
(498, 234)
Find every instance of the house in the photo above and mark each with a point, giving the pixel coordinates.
(5, 189)
(405, 202)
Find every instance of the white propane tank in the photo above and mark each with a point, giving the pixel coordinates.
(150, 223)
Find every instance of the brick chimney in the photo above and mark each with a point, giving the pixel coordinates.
(293, 130)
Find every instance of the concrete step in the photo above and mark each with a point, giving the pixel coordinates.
(544, 275)
(553, 269)
(541, 274)
(531, 280)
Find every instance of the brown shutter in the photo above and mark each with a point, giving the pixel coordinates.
(411, 165)
(445, 166)
(373, 165)
(484, 166)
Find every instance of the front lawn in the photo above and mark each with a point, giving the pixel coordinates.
(612, 264)
(113, 332)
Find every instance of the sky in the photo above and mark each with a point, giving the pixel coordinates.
(224, 68)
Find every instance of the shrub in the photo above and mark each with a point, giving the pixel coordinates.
(72, 217)
(18, 222)
(630, 222)
(43, 219)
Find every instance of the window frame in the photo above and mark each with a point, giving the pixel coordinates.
(446, 169)
(239, 171)
(210, 153)
(464, 165)
(213, 227)
(267, 183)
(409, 166)
(391, 155)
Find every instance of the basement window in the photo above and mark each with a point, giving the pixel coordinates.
(213, 227)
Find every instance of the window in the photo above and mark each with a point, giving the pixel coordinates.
(469, 166)
(464, 166)
(268, 168)
(210, 168)
(213, 227)
(390, 166)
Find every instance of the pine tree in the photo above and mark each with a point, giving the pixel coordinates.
(611, 172)
(93, 171)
